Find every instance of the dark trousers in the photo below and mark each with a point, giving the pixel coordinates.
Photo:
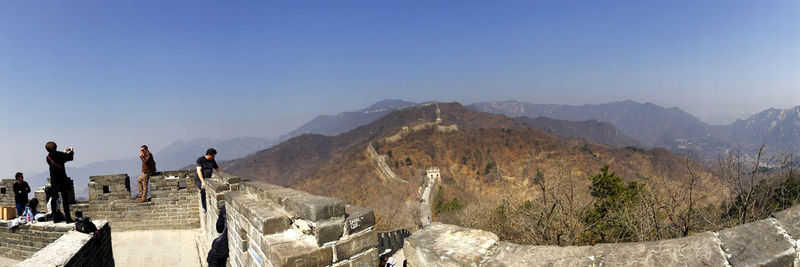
(20, 208)
(54, 204)
(202, 193)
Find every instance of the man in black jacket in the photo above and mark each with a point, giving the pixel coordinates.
(58, 179)
(21, 190)
(218, 255)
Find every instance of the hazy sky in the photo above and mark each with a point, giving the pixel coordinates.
(107, 76)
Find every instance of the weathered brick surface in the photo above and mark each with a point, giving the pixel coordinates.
(76, 249)
(299, 254)
(366, 259)
(358, 218)
(24, 241)
(310, 228)
(7, 192)
(271, 192)
(314, 208)
(769, 242)
(355, 244)
(174, 202)
(263, 216)
(758, 243)
(329, 230)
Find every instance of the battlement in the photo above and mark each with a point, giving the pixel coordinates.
(174, 202)
(270, 225)
(7, 192)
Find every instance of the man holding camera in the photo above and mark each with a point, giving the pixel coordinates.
(58, 179)
(148, 167)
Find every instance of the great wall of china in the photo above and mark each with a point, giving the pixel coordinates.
(270, 225)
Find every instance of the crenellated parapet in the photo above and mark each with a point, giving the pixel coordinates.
(174, 202)
(7, 192)
(269, 225)
(769, 242)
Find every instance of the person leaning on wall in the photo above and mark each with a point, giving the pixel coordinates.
(58, 179)
(205, 167)
(148, 167)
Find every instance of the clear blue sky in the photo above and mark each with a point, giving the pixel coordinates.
(107, 76)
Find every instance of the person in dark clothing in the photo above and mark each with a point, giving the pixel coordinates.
(205, 167)
(218, 255)
(148, 167)
(21, 190)
(58, 179)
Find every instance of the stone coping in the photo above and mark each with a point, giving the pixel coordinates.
(769, 242)
(60, 252)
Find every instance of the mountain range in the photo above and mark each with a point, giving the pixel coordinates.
(671, 128)
(346, 121)
(482, 156)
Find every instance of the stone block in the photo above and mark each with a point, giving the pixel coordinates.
(270, 192)
(506, 253)
(299, 254)
(358, 218)
(789, 219)
(355, 244)
(328, 230)
(314, 208)
(700, 250)
(757, 243)
(368, 259)
(227, 178)
(265, 218)
(448, 245)
(216, 186)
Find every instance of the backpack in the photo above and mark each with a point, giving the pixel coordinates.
(85, 225)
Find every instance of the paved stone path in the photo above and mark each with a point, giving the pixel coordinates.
(6, 262)
(156, 248)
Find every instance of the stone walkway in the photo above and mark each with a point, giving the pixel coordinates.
(156, 248)
(6, 262)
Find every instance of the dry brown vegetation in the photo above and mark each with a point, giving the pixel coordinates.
(526, 185)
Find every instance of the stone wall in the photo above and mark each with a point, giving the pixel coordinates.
(25, 240)
(215, 197)
(74, 248)
(7, 192)
(270, 225)
(770, 242)
(392, 240)
(174, 202)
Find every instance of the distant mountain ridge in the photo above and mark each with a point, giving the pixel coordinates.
(592, 130)
(773, 127)
(672, 128)
(650, 124)
(346, 121)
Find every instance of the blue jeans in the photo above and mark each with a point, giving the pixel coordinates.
(20, 208)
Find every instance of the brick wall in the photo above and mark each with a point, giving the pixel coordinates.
(74, 248)
(174, 202)
(7, 192)
(270, 225)
(24, 241)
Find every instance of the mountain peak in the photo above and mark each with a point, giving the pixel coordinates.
(389, 104)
